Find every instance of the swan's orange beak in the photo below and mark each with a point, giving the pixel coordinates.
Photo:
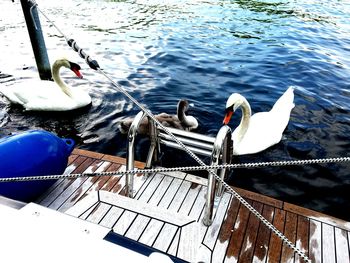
(228, 116)
(77, 72)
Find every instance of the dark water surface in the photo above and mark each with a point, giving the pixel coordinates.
(161, 51)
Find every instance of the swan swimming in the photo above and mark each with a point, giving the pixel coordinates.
(257, 132)
(44, 95)
(180, 121)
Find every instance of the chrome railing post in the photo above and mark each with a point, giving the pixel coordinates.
(154, 147)
(130, 153)
(221, 143)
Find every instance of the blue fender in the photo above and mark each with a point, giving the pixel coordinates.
(29, 154)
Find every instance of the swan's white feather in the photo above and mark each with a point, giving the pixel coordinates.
(41, 95)
(265, 128)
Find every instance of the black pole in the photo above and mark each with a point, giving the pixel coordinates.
(36, 38)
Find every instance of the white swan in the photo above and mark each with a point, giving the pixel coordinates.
(43, 95)
(262, 130)
(180, 121)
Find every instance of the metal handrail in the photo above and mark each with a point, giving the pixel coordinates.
(218, 148)
(221, 155)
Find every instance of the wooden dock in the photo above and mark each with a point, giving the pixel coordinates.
(167, 210)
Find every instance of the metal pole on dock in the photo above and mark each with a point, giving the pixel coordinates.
(36, 37)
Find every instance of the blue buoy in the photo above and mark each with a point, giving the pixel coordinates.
(29, 154)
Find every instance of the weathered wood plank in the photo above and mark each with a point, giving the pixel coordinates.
(144, 186)
(290, 231)
(89, 154)
(83, 205)
(189, 242)
(151, 232)
(151, 188)
(98, 213)
(108, 183)
(342, 247)
(81, 191)
(317, 216)
(144, 208)
(328, 244)
(248, 244)
(170, 193)
(174, 244)
(264, 233)
(71, 159)
(111, 217)
(199, 203)
(124, 222)
(213, 230)
(223, 240)
(302, 241)
(119, 160)
(160, 191)
(56, 204)
(196, 179)
(165, 237)
(190, 199)
(180, 196)
(137, 227)
(259, 198)
(237, 236)
(275, 245)
(55, 190)
(315, 241)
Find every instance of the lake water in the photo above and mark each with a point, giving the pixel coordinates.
(204, 50)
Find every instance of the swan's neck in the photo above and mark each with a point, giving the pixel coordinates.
(243, 126)
(185, 120)
(56, 77)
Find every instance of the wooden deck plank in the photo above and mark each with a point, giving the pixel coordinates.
(54, 191)
(328, 245)
(259, 197)
(108, 183)
(170, 193)
(248, 244)
(151, 188)
(315, 241)
(302, 241)
(98, 213)
(97, 166)
(237, 236)
(263, 239)
(165, 237)
(290, 231)
(179, 196)
(324, 238)
(137, 227)
(111, 217)
(124, 222)
(63, 197)
(160, 191)
(190, 199)
(199, 203)
(226, 231)
(342, 247)
(151, 232)
(317, 216)
(275, 245)
(174, 244)
(214, 229)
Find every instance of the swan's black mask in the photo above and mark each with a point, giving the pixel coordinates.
(75, 68)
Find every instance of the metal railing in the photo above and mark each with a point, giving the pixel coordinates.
(219, 149)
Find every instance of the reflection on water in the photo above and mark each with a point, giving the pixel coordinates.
(204, 50)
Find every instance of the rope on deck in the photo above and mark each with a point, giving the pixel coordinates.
(176, 169)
